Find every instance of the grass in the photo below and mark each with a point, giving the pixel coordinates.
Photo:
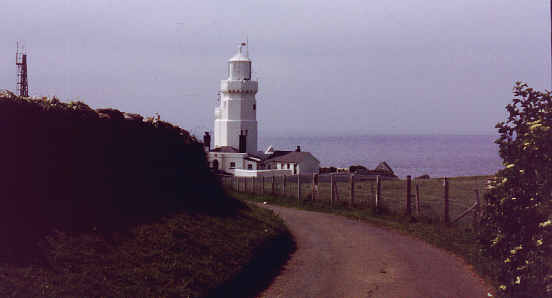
(181, 255)
(459, 240)
(393, 192)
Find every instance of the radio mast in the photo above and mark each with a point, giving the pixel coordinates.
(21, 62)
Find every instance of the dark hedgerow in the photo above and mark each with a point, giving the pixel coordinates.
(517, 226)
(67, 166)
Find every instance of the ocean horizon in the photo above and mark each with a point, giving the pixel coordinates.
(415, 155)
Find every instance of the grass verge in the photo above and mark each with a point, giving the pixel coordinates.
(459, 240)
(181, 255)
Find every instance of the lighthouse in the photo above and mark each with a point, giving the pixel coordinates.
(235, 147)
(236, 110)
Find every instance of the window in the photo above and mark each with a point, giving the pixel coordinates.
(254, 106)
(250, 167)
(232, 165)
(288, 166)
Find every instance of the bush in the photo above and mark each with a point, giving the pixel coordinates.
(66, 166)
(517, 225)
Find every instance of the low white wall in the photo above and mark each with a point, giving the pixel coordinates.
(259, 173)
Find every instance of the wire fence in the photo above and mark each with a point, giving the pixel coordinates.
(438, 199)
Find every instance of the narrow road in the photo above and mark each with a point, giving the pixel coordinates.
(340, 257)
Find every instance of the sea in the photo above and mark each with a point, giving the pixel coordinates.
(415, 155)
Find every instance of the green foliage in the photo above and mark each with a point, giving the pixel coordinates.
(67, 166)
(517, 227)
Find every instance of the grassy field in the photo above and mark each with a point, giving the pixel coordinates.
(182, 255)
(459, 239)
(393, 193)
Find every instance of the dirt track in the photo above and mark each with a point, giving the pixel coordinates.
(339, 257)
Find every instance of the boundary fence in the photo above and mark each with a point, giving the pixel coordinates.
(447, 200)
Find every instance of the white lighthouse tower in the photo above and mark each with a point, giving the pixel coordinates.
(235, 147)
(236, 112)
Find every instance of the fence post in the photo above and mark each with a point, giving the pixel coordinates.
(272, 186)
(313, 185)
(352, 178)
(317, 185)
(298, 187)
(372, 193)
(446, 197)
(262, 185)
(284, 185)
(378, 193)
(408, 195)
(418, 207)
(476, 212)
(332, 190)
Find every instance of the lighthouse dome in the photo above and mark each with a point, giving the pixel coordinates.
(239, 66)
(240, 57)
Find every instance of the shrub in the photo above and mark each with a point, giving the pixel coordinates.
(517, 225)
(66, 167)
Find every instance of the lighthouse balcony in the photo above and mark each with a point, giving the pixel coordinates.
(244, 86)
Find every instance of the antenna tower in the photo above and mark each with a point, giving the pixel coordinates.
(21, 62)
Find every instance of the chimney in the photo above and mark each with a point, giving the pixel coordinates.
(207, 141)
(298, 149)
(243, 142)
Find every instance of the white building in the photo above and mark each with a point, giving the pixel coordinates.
(235, 148)
(236, 115)
(235, 145)
(298, 162)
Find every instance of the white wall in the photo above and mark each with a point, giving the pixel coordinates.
(240, 70)
(225, 160)
(236, 112)
(260, 173)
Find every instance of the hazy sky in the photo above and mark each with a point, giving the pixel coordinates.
(325, 67)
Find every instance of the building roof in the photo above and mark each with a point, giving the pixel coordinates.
(226, 149)
(384, 167)
(278, 153)
(293, 157)
(269, 150)
(259, 154)
(253, 158)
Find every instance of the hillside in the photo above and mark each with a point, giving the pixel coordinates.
(183, 255)
(106, 203)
